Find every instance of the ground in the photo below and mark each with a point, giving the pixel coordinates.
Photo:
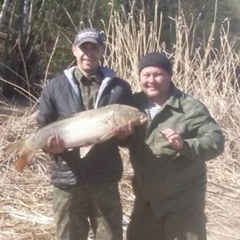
(25, 198)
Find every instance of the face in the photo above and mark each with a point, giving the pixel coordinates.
(88, 56)
(155, 83)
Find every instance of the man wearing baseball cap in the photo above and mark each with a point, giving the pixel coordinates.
(85, 188)
(89, 35)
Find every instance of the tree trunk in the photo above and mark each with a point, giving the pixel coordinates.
(3, 14)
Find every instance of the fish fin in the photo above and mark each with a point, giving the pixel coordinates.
(24, 153)
(85, 150)
(23, 159)
(13, 148)
(107, 136)
(21, 164)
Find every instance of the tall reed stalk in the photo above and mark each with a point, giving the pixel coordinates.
(209, 74)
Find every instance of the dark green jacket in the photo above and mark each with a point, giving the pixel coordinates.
(170, 179)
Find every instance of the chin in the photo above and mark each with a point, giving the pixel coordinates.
(88, 69)
(153, 94)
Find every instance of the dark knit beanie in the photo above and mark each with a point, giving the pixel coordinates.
(155, 59)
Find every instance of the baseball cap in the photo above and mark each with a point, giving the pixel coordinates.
(88, 35)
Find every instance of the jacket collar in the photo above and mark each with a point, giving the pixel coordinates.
(173, 100)
(108, 74)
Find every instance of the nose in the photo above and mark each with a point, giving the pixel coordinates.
(151, 78)
(89, 51)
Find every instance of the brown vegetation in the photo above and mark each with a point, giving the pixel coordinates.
(207, 73)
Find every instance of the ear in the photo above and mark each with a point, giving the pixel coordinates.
(74, 50)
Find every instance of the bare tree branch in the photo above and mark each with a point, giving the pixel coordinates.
(5, 8)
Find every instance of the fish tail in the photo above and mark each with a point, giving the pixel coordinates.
(15, 147)
(24, 153)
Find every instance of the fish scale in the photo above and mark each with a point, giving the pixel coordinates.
(84, 130)
(78, 134)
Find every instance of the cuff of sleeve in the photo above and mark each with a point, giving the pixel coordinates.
(185, 151)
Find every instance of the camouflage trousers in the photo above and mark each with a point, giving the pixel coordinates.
(77, 208)
(190, 224)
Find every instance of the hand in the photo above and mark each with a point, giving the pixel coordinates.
(175, 140)
(122, 132)
(55, 145)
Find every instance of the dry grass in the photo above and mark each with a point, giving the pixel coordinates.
(207, 73)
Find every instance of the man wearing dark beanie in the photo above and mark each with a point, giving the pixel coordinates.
(155, 59)
(169, 180)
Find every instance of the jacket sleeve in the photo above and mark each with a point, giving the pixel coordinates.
(47, 109)
(128, 96)
(124, 94)
(207, 141)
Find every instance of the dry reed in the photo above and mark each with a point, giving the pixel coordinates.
(207, 73)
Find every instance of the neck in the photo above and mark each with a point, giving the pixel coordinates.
(89, 73)
(157, 101)
(160, 99)
(153, 103)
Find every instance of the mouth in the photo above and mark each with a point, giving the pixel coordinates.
(88, 60)
(152, 88)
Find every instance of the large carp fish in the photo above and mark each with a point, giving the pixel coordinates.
(84, 130)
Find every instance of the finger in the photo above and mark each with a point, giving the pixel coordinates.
(176, 143)
(61, 143)
(174, 136)
(56, 140)
(50, 142)
(165, 134)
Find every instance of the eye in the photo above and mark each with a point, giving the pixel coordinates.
(146, 75)
(158, 75)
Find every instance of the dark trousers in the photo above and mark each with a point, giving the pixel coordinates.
(76, 208)
(189, 224)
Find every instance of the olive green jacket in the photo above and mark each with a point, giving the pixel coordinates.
(171, 180)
